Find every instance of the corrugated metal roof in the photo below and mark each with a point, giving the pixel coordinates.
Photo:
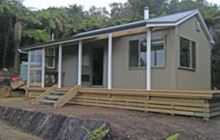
(173, 18)
(168, 19)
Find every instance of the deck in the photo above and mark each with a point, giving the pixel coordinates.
(205, 104)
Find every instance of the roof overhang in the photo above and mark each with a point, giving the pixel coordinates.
(56, 43)
(88, 38)
(196, 13)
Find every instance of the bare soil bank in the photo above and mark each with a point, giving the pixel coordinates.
(50, 126)
(8, 132)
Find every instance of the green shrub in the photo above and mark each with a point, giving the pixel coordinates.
(97, 134)
(173, 137)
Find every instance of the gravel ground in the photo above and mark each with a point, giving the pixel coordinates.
(132, 125)
(10, 133)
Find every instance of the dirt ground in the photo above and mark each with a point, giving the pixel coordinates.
(132, 125)
(10, 133)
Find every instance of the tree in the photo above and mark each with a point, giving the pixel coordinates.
(9, 11)
(157, 7)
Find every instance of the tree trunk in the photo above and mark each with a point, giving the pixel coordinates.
(17, 40)
(5, 50)
(6, 37)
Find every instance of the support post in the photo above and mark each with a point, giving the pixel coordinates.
(60, 67)
(148, 67)
(29, 68)
(79, 63)
(43, 69)
(110, 61)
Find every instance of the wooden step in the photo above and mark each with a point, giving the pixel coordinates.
(57, 92)
(44, 101)
(65, 89)
(46, 92)
(67, 97)
(51, 97)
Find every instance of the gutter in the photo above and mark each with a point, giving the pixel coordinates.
(22, 51)
(55, 43)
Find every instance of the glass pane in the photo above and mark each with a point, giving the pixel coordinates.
(50, 62)
(160, 56)
(184, 52)
(36, 58)
(193, 54)
(50, 58)
(143, 54)
(198, 26)
(35, 77)
(153, 64)
(133, 53)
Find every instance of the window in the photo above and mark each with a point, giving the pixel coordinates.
(198, 27)
(50, 58)
(158, 56)
(142, 53)
(187, 53)
(137, 53)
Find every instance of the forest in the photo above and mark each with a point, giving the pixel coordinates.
(22, 26)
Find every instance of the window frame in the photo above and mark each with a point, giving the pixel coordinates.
(160, 41)
(190, 68)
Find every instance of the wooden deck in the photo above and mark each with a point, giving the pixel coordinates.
(205, 104)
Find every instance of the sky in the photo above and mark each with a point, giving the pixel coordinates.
(43, 4)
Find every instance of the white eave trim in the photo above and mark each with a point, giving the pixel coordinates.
(206, 28)
(160, 25)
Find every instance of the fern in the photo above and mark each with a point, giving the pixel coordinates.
(97, 134)
(173, 137)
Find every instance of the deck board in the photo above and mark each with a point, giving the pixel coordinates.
(205, 104)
